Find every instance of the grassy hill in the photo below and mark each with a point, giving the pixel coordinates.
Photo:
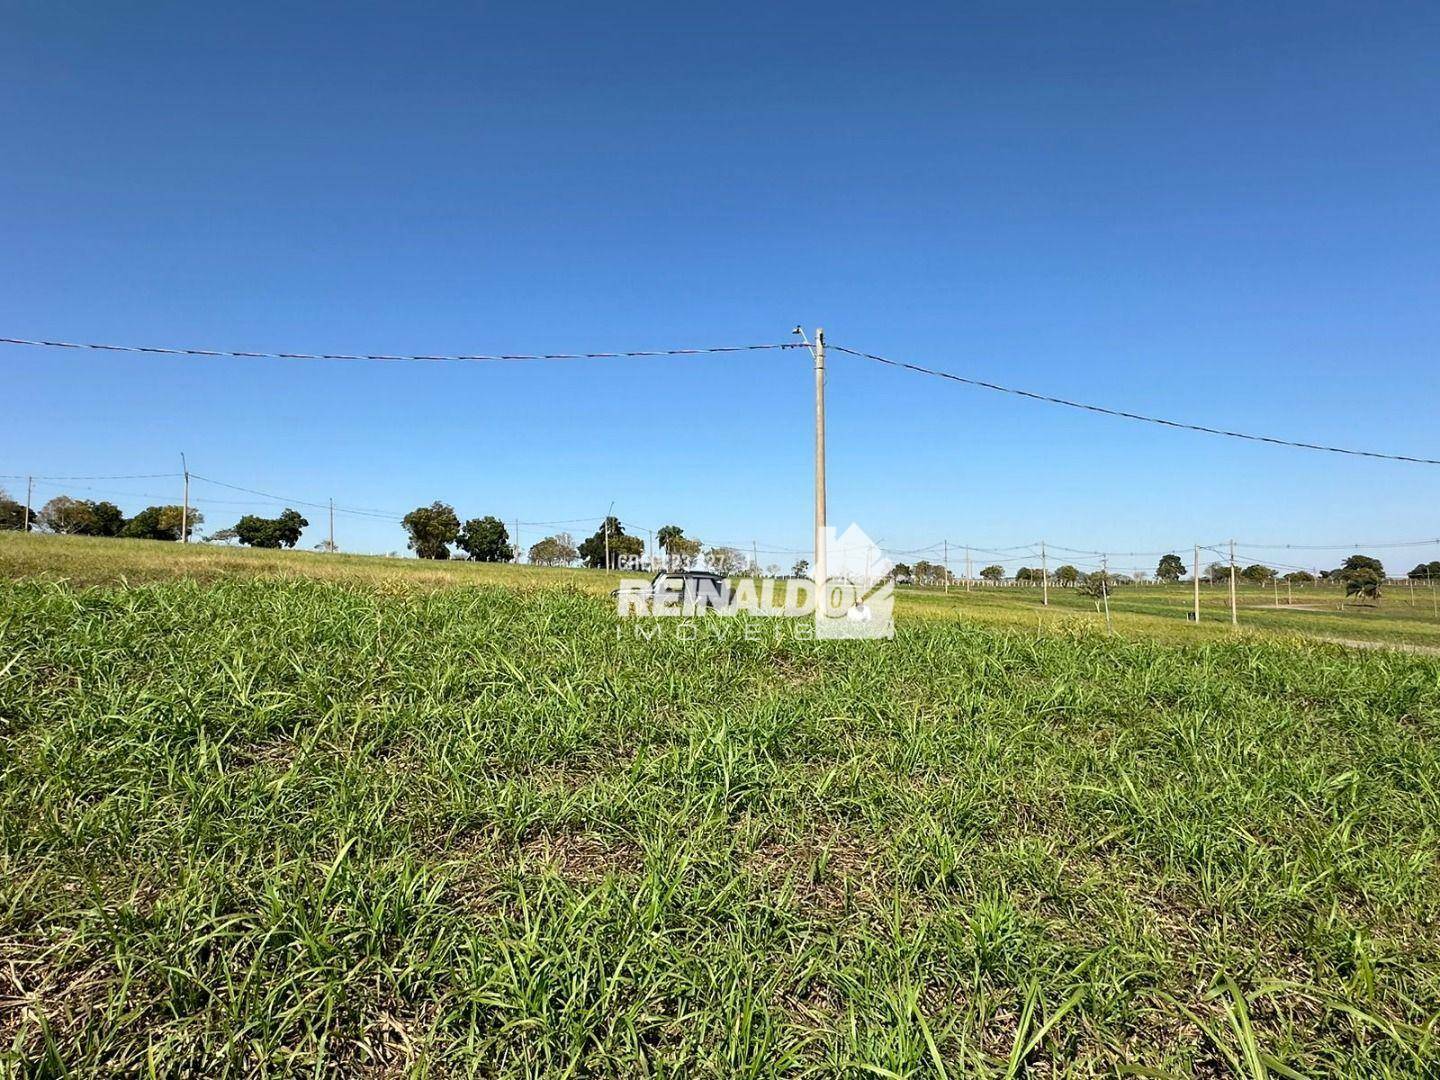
(274, 813)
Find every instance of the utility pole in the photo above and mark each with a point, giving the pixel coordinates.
(945, 557)
(29, 498)
(1234, 612)
(185, 507)
(608, 514)
(332, 526)
(516, 547)
(1195, 573)
(1289, 592)
(1105, 589)
(967, 567)
(820, 575)
(1044, 577)
(1275, 581)
(755, 557)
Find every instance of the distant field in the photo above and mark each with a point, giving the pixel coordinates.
(1402, 618)
(284, 813)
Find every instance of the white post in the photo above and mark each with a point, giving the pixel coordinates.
(185, 507)
(1234, 612)
(1044, 577)
(945, 558)
(1195, 573)
(1105, 589)
(819, 568)
(29, 498)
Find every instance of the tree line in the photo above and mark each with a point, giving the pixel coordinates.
(67, 516)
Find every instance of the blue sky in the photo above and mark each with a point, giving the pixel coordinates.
(1225, 213)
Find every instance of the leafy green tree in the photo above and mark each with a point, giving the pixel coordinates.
(1361, 562)
(486, 540)
(67, 517)
(1258, 574)
(622, 547)
(557, 550)
(1027, 575)
(277, 532)
(901, 572)
(1218, 573)
(12, 514)
(1096, 584)
(161, 523)
(222, 536)
(684, 552)
(1363, 582)
(1299, 577)
(1171, 568)
(432, 530)
(667, 536)
(1426, 571)
(1067, 575)
(107, 519)
(801, 568)
(725, 560)
(993, 573)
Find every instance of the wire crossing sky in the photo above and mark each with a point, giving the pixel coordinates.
(1223, 216)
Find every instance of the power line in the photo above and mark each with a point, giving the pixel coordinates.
(1130, 415)
(421, 357)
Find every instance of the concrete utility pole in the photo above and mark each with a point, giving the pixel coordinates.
(945, 557)
(29, 498)
(755, 557)
(517, 541)
(332, 526)
(1044, 577)
(608, 514)
(967, 567)
(820, 574)
(1196, 574)
(1234, 612)
(1105, 589)
(185, 507)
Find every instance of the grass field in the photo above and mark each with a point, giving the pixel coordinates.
(279, 814)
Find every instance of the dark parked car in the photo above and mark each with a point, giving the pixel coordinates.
(692, 590)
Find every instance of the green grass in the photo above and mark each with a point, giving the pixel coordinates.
(270, 823)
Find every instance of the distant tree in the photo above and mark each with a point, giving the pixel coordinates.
(1299, 577)
(1426, 571)
(928, 574)
(161, 523)
(593, 549)
(993, 573)
(773, 570)
(1364, 582)
(1218, 573)
(801, 568)
(67, 517)
(666, 536)
(558, 550)
(222, 536)
(276, 532)
(486, 540)
(1095, 584)
(12, 514)
(1027, 575)
(328, 546)
(684, 553)
(1258, 574)
(432, 530)
(107, 519)
(724, 560)
(1171, 568)
(1067, 575)
(901, 572)
(1361, 562)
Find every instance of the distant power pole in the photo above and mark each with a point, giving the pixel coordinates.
(332, 526)
(185, 506)
(1196, 574)
(1105, 589)
(517, 541)
(820, 573)
(754, 556)
(1234, 612)
(945, 558)
(1044, 577)
(967, 568)
(29, 498)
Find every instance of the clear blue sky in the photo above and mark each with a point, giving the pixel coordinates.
(1224, 213)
